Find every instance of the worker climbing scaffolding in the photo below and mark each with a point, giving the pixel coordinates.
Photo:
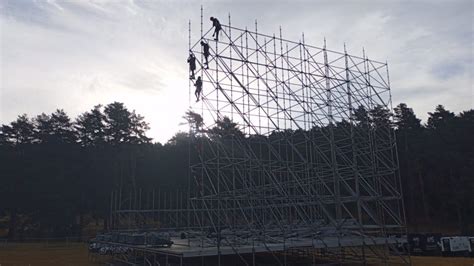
(198, 85)
(217, 27)
(205, 48)
(192, 64)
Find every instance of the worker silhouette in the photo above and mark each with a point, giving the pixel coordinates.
(217, 27)
(205, 48)
(198, 86)
(192, 64)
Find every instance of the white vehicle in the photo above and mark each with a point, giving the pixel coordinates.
(455, 245)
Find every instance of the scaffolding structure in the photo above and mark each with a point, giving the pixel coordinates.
(140, 210)
(292, 161)
(296, 145)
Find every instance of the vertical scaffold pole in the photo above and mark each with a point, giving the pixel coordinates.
(188, 222)
(200, 144)
(331, 121)
(254, 215)
(111, 209)
(202, 39)
(247, 77)
(282, 79)
(219, 237)
(275, 82)
(188, 52)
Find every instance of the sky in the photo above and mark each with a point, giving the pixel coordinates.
(74, 54)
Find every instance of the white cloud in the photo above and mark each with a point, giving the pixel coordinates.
(75, 54)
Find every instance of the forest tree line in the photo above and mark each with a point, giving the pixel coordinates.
(57, 173)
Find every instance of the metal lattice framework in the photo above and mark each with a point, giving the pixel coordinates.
(292, 154)
(314, 150)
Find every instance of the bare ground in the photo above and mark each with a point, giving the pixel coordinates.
(32, 254)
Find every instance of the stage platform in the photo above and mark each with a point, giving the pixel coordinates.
(189, 248)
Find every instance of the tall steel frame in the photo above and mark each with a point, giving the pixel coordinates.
(314, 157)
(292, 161)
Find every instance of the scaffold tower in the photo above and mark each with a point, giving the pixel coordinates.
(294, 149)
(292, 161)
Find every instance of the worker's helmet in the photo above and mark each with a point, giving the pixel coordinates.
(212, 18)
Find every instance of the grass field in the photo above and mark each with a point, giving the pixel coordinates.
(41, 254)
(441, 261)
(77, 254)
